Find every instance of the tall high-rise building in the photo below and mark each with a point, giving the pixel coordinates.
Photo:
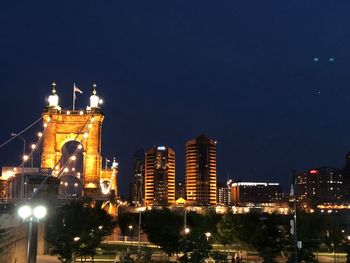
(160, 176)
(346, 178)
(320, 185)
(200, 173)
(138, 185)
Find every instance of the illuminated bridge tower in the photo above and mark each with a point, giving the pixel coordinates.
(84, 127)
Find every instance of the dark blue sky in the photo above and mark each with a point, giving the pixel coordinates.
(242, 72)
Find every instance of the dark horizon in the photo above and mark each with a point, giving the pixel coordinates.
(267, 80)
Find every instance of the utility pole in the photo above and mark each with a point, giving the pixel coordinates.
(294, 221)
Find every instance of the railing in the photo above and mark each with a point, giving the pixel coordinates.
(73, 112)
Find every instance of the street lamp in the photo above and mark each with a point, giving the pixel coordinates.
(187, 230)
(141, 209)
(24, 160)
(32, 214)
(208, 235)
(130, 229)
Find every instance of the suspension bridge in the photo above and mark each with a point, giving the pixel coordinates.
(68, 148)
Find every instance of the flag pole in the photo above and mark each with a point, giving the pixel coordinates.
(73, 96)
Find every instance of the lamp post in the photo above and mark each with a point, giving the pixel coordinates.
(32, 214)
(208, 235)
(130, 232)
(22, 165)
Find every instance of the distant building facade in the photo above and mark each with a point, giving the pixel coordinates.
(243, 193)
(180, 190)
(346, 178)
(138, 184)
(224, 195)
(160, 176)
(320, 185)
(200, 171)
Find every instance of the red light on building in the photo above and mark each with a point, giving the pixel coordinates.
(313, 172)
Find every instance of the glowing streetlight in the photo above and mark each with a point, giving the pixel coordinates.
(208, 235)
(25, 212)
(32, 215)
(187, 230)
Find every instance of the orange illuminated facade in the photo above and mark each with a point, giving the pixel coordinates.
(85, 127)
(200, 171)
(160, 176)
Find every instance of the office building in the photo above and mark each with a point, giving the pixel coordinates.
(200, 171)
(137, 188)
(224, 195)
(253, 193)
(160, 176)
(346, 178)
(320, 185)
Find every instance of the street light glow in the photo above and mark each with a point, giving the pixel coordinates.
(40, 212)
(25, 211)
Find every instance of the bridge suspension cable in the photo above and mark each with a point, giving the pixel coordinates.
(19, 133)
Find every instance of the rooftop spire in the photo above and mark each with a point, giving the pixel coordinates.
(94, 99)
(53, 98)
(53, 87)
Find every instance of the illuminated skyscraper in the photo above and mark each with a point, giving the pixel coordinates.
(160, 176)
(200, 174)
(138, 192)
(320, 185)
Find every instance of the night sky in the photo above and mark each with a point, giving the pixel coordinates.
(269, 80)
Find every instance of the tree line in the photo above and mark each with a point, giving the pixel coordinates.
(78, 228)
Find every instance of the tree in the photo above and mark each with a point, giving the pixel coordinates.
(77, 229)
(195, 246)
(163, 229)
(125, 219)
(268, 238)
(225, 229)
(203, 222)
(333, 237)
(309, 234)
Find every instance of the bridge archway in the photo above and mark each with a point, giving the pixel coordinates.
(83, 127)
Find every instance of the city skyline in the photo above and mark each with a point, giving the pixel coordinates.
(273, 94)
